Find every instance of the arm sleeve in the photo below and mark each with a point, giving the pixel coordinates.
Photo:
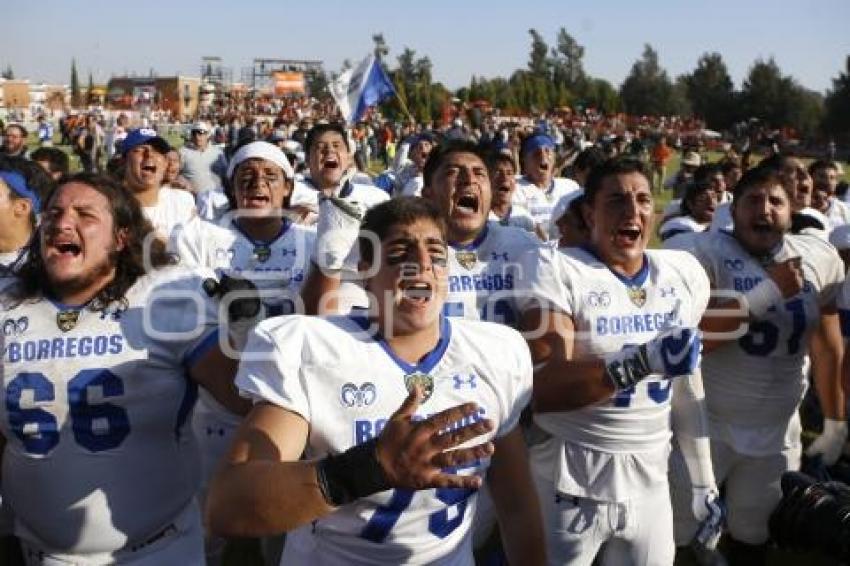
(273, 373)
(690, 427)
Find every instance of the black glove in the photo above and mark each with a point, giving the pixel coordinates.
(245, 307)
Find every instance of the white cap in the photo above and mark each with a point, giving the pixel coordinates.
(261, 150)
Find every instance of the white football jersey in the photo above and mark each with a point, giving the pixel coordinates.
(489, 277)
(98, 457)
(174, 209)
(757, 381)
(679, 225)
(630, 431)
(838, 213)
(517, 216)
(539, 202)
(277, 268)
(346, 384)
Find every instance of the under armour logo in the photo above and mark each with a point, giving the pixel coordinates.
(285, 252)
(496, 256)
(464, 381)
(668, 292)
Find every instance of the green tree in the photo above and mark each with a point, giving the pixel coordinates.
(648, 90)
(766, 93)
(710, 91)
(90, 90)
(837, 105)
(602, 95)
(75, 85)
(538, 60)
(8, 74)
(317, 83)
(381, 48)
(567, 63)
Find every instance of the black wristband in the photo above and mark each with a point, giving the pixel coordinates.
(351, 475)
(631, 369)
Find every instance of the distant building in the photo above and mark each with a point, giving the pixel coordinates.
(177, 95)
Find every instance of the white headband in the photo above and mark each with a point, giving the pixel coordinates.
(261, 150)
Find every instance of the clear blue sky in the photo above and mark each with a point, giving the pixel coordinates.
(809, 39)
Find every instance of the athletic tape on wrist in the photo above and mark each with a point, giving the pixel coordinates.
(627, 367)
(352, 475)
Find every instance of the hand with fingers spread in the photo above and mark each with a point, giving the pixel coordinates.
(413, 453)
(407, 454)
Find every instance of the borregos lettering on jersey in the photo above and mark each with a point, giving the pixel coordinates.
(481, 282)
(64, 347)
(651, 322)
(367, 429)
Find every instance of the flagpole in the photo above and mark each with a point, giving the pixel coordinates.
(401, 101)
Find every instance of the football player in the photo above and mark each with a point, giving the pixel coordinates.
(757, 356)
(616, 322)
(539, 190)
(99, 374)
(255, 242)
(400, 416)
(333, 285)
(489, 264)
(168, 209)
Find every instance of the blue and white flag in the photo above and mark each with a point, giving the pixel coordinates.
(361, 87)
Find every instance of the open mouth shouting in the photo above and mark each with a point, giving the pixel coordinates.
(628, 236)
(417, 293)
(256, 200)
(62, 249)
(467, 203)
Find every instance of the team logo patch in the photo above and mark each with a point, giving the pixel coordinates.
(67, 320)
(637, 295)
(423, 380)
(353, 396)
(262, 253)
(467, 259)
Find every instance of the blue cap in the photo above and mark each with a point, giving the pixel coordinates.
(535, 140)
(16, 182)
(144, 136)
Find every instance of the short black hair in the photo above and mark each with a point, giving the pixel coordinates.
(611, 167)
(822, 164)
(402, 210)
(495, 157)
(319, 129)
(760, 176)
(20, 127)
(589, 158)
(442, 151)
(55, 157)
(704, 173)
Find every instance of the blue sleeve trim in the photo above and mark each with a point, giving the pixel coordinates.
(192, 356)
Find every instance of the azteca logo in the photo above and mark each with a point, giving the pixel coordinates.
(353, 396)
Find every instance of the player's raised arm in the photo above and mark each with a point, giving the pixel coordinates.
(263, 488)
